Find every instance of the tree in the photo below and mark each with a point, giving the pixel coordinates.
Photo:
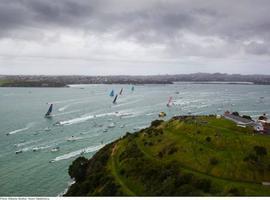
(263, 117)
(77, 169)
(235, 114)
(247, 117)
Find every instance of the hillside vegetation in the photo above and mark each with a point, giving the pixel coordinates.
(185, 156)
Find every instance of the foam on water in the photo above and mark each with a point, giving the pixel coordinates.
(91, 116)
(28, 126)
(18, 130)
(26, 143)
(134, 110)
(76, 120)
(65, 113)
(78, 152)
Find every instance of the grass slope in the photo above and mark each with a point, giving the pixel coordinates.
(185, 156)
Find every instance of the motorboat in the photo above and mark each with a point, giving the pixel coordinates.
(111, 125)
(55, 149)
(19, 151)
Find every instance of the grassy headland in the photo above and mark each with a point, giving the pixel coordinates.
(185, 156)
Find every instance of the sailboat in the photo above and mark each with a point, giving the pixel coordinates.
(114, 101)
(120, 93)
(132, 89)
(112, 93)
(48, 114)
(169, 104)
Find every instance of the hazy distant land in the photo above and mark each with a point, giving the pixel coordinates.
(64, 81)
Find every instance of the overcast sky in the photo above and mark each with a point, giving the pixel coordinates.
(108, 37)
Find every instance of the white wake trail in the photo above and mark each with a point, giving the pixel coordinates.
(78, 152)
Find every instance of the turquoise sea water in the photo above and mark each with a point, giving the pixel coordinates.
(85, 113)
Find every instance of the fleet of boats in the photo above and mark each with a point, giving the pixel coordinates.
(110, 126)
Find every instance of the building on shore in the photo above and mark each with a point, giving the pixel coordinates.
(258, 125)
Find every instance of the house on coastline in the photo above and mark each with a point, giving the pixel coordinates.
(244, 122)
(238, 119)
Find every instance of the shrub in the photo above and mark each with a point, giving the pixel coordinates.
(122, 172)
(213, 161)
(208, 139)
(172, 150)
(160, 154)
(183, 179)
(260, 151)
(77, 169)
(251, 158)
(203, 184)
(234, 192)
(150, 143)
(156, 123)
(109, 189)
(131, 151)
(247, 117)
(262, 117)
(188, 190)
(235, 114)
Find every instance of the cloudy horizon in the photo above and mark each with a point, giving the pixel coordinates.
(114, 37)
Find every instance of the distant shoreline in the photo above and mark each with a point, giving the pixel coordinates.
(198, 78)
(55, 85)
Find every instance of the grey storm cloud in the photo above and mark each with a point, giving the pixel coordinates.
(142, 20)
(170, 29)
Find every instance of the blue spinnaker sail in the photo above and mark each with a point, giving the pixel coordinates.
(112, 93)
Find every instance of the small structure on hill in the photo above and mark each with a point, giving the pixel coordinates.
(238, 119)
(258, 125)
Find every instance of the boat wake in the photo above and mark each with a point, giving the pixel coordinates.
(88, 117)
(65, 113)
(76, 120)
(64, 107)
(35, 148)
(71, 104)
(67, 100)
(26, 143)
(120, 103)
(21, 129)
(18, 130)
(76, 153)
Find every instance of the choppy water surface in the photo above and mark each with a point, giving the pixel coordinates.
(85, 111)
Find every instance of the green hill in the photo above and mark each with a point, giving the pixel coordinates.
(185, 156)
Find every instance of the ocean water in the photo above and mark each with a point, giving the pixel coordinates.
(84, 112)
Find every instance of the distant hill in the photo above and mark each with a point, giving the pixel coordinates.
(185, 156)
(62, 81)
